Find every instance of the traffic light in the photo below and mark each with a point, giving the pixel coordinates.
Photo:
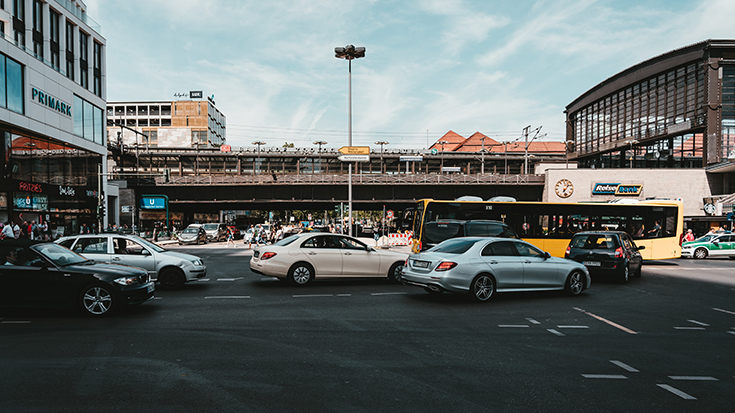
(101, 210)
(166, 175)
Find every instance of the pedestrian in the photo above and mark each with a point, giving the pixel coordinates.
(689, 236)
(7, 231)
(16, 231)
(230, 238)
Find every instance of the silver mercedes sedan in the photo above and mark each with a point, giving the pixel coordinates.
(480, 267)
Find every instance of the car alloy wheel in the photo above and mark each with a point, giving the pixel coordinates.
(98, 300)
(301, 274)
(575, 283)
(482, 288)
(700, 253)
(395, 272)
(171, 279)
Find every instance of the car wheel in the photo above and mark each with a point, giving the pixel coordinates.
(301, 273)
(637, 273)
(575, 283)
(482, 288)
(98, 300)
(700, 253)
(625, 274)
(171, 279)
(394, 274)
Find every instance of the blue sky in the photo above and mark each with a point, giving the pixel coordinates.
(431, 66)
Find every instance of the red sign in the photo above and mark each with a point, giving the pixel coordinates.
(225, 148)
(29, 187)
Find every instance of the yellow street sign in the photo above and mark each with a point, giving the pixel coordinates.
(355, 150)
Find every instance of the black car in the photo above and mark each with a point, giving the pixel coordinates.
(438, 231)
(606, 253)
(193, 235)
(44, 274)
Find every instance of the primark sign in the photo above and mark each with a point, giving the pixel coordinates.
(49, 101)
(616, 189)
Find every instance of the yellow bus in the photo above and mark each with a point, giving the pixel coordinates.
(656, 224)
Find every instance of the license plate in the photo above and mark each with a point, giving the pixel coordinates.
(421, 264)
(151, 288)
(592, 263)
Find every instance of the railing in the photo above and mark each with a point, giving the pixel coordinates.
(358, 179)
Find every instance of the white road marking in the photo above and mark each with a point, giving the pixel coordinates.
(532, 321)
(311, 295)
(513, 325)
(604, 376)
(230, 279)
(676, 392)
(688, 328)
(624, 366)
(156, 298)
(15, 322)
(397, 293)
(227, 297)
(699, 323)
(731, 332)
(572, 327)
(695, 378)
(552, 331)
(344, 295)
(203, 279)
(627, 330)
(724, 311)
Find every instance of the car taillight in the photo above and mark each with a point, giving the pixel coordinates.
(619, 252)
(566, 254)
(267, 255)
(445, 266)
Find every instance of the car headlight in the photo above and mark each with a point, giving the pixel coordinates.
(127, 280)
(198, 262)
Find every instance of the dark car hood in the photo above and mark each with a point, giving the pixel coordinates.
(104, 269)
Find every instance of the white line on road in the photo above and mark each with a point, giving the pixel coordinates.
(227, 297)
(311, 295)
(699, 323)
(676, 392)
(532, 321)
(627, 330)
(572, 327)
(513, 325)
(230, 279)
(156, 298)
(624, 366)
(695, 378)
(731, 332)
(398, 293)
(688, 328)
(203, 280)
(552, 331)
(724, 311)
(344, 295)
(604, 376)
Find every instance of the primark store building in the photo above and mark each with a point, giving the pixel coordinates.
(52, 120)
(664, 128)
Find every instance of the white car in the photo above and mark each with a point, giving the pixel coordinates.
(171, 269)
(304, 257)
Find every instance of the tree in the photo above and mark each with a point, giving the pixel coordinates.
(288, 145)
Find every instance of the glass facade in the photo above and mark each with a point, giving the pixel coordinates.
(728, 112)
(11, 84)
(88, 121)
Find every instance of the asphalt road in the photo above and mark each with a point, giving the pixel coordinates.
(239, 342)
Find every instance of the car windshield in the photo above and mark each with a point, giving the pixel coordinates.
(59, 255)
(436, 232)
(191, 231)
(209, 227)
(154, 247)
(596, 241)
(454, 246)
(706, 238)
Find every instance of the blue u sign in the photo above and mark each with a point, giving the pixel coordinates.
(152, 203)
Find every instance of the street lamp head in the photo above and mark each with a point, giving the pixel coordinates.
(349, 52)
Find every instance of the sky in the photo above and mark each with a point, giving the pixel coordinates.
(430, 66)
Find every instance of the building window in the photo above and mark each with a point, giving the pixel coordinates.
(38, 29)
(70, 50)
(150, 138)
(88, 121)
(97, 83)
(19, 18)
(199, 138)
(83, 60)
(55, 18)
(11, 84)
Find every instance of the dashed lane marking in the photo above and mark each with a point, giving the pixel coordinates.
(677, 392)
(572, 327)
(724, 311)
(202, 280)
(731, 332)
(227, 297)
(604, 376)
(699, 323)
(616, 325)
(624, 366)
(688, 328)
(693, 378)
(532, 321)
(552, 331)
(513, 325)
(230, 279)
(396, 293)
(311, 295)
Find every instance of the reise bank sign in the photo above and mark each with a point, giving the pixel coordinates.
(50, 102)
(616, 189)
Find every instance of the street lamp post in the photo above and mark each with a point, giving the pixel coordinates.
(258, 143)
(319, 153)
(381, 143)
(482, 156)
(349, 53)
(631, 142)
(442, 143)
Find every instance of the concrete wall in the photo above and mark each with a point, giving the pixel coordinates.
(688, 185)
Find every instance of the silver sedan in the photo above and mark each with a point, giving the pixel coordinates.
(302, 258)
(480, 267)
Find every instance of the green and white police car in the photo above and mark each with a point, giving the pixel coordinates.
(710, 245)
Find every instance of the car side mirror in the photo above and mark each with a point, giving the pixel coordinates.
(145, 252)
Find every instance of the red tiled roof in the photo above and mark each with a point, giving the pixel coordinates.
(474, 143)
(454, 141)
